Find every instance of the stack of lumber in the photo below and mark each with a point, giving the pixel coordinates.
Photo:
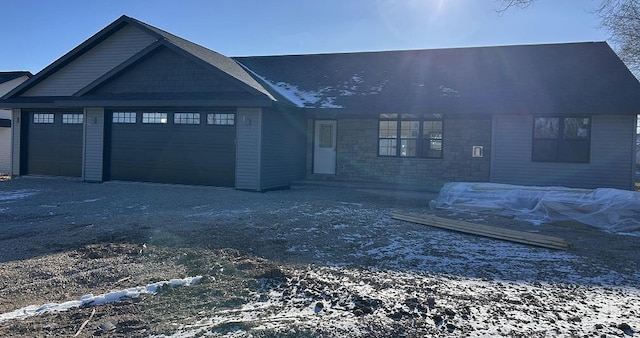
(486, 231)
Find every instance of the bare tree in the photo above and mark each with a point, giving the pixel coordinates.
(621, 18)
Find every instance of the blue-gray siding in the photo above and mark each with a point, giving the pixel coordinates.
(93, 144)
(16, 130)
(611, 163)
(94, 63)
(248, 145)
(283, 149)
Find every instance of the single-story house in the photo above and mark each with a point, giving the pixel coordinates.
(134, 102)
(8, 81)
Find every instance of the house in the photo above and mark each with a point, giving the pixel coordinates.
(134, 102)
(8, 81)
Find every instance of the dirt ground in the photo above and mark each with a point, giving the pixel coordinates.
(310, 261)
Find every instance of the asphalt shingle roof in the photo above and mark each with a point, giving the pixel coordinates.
(572, 78)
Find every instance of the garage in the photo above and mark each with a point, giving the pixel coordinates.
(54, 143)
(172, 147)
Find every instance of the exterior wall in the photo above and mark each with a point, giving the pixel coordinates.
(358, 160)
(283, 149)
(5, 144)
(16, 129)
(248, 146)
(611, 160)
(94, 63)
(93, 146)
(5, 133)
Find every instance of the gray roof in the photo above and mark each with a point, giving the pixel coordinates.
(218, 62)
(573, 78)
(8, 76)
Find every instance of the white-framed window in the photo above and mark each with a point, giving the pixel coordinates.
(42, 118)
(221, 119)
(155, 118)
(186, 118)
(73, 118)
(124, 117)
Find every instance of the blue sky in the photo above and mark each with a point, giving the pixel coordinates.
(36, 33)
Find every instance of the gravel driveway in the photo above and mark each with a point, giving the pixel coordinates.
(383, 272)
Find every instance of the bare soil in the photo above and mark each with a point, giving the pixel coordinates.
(309, 261)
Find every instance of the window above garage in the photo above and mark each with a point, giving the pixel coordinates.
(186, 118)
(154, 118)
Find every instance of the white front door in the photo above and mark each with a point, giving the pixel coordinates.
(324, 147)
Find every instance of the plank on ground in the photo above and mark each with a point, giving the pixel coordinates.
(486, 231)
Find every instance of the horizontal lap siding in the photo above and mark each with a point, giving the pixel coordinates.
(610, 164)
(93, 144)
(249, 128)
(283, 149)
(5, 144)
(94, 63)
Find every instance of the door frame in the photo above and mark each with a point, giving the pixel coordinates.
(330, 169)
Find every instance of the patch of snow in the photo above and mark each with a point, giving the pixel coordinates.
(611, 210)
(16, 194)
(446, 91)
(91, 300)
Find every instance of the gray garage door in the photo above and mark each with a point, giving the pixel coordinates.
(54, 144)
(167, 147)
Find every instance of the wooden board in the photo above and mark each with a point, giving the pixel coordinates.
(486, 231)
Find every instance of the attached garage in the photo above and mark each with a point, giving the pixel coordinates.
(53, 143)
(172, 147)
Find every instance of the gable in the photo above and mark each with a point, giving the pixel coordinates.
(92, 64)
(165, 71)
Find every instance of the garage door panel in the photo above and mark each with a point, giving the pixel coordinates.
(53, 148)
(170, 153)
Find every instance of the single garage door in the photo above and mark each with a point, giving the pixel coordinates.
(54, 144)
(167, 147)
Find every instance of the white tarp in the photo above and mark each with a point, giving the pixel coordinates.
(611, 210)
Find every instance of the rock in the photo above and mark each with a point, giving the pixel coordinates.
(318, 308)
(449, 312)
(106, 327)
(438, 320)
(599, 326)
(626, 329)
(431, 302)
(451, 328)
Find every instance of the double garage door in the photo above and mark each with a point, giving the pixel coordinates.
(172, 147)
(187, 148)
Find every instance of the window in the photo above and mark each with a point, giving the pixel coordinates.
(221, 119)
(160, 118)
(72, 118)
(186, 118)
(124, 117)
(561, 139)
(42, 118)
(410, 135)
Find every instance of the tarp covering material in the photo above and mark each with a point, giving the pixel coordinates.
(611, 210)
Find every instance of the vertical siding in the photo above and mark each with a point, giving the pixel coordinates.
(611, 155)
(96, 62)
(15, 132)
(248, 144)
(93, 147)
(5, 144)
(283, 149)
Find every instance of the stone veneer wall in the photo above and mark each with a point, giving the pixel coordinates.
(358, 160)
